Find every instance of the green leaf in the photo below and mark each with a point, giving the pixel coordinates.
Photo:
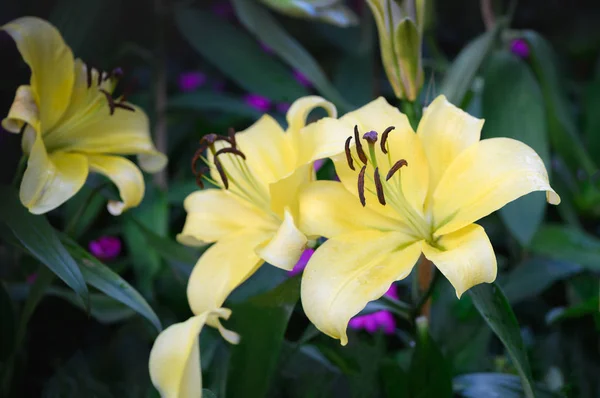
(462, 72)
(237, 55)
(102, 308)
(532, 277)
(477, 385)
(349, 77)
(590, 306)
(208, 394)
(394, 380)
(8, 325)
(166, 247)
(210, 101)
(429, 374)
(495, 310)
(592, 118)
(104, 279)
(514, 108)
(83, 209)
(561, 124)
(567, 244)
(261, 321)
(40, 240)
(268, 30)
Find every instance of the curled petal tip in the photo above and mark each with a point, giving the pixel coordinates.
(552, 198)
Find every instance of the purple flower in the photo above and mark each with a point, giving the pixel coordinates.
(318, 164)
(266, 48)
(223, 9)
(520, 48)
(190, 81)
(105, 248)
(258, 102)
(300, 78)
(379, 320)
(301, 264)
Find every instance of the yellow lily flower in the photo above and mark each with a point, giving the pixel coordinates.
(175, 356)
(72, 125)
(402, 194)
(400, 27)
(252, 217)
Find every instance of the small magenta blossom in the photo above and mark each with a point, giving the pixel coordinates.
(105, 248)
(379, 320)
(258, 102)
(520, 48)
(301, 264)
(301, 78)
(190, 81)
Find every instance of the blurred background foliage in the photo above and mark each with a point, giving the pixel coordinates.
(204, 66)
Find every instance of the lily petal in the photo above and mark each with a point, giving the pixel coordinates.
(466, 258)
(284, 192)
(269, 155)
(328, 209)
(298, 113)
(49, 180)
(126, 176)
(223, 267)
(213, 214)
(350, 270)
(286, 247)
(23, 111)
(445, 131)
(175, 357)
(87, 125)
(485, 177)
(51, 63)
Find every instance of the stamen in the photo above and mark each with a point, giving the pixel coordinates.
(361, 186)
(200, 175)
(88, 71)
(379, 187)
(116, 73)
(221, 171)
(384, 137)
(349, 154)
(370, 137)
(100, 75)
(123, 105)
(235, 151)
(395, 168)
(110, 100)
(231, 135)
(359, 148)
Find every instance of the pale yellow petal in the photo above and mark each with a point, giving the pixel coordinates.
(49, 180)
(286, 247)
(175, 357)
(485, 177)
(269, 154)
(328, 209)
(213, 214)
(23, 110)
(445, 132)
(125, 175)
(223, 267)
(466, 257)
(350, 270)
(284, 192)
(402, 143)
(298, 113)
(51, 63)
(88, 126)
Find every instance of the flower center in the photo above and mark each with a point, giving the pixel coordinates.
(107, 88)
(229, 162)
(388, 191)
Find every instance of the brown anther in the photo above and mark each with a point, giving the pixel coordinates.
(384, 137)
(199, 181)
(379, 187)
(370, 137)
(349, 154)
(359, 148)
(88, 71)
(123, 105)
(235, 151)
(110, 100)
(100, 76)
(361, 186)
(395, 168)
(231, 135)
(221, 171)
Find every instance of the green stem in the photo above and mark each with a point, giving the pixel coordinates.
(398, 307)
(411, 111)
(427, 294)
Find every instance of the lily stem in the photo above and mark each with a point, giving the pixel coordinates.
(423, 284)
(411, 111)
(425, 299)
(160, 91)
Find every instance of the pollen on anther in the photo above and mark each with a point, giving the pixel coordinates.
(395, 168)
(349, 154)
(379, 187)
(359, 148)
(232, 150)
(221, 171)
(361, 186)
(384, 137)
